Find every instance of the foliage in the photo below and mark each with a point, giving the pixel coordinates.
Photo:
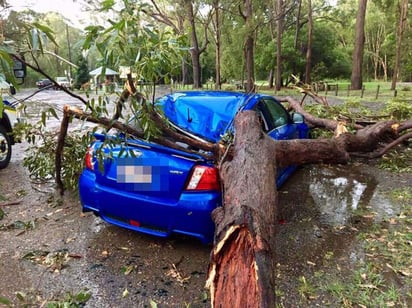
(42, 168)
(151, 52)
(398, 109)
(399, 161)
(32, 299)
(82, 73)
(41, 39)
(349, 110)
(332, 38)
(39, 159)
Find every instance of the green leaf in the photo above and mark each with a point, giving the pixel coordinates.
(83, 297)
(43, 118)
(5, 301)
(128, 269)
(45, 30)
(107, 5)
(21, 296)
(52, 111)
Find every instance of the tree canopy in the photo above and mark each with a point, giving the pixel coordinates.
(332, 39)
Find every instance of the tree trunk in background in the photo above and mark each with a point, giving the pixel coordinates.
(218, 82)
(194, 49)
(357, 59)
(272, 27)
(279, 45)
(401, 28)
(271, 78)
(185, 78)
(309, 46)
(297, 24)
(249, 47)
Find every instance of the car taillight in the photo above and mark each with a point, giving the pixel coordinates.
(204, 178)
(88, 159)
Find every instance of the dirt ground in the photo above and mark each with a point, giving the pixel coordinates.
(49, 249)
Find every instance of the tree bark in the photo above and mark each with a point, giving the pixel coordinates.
(309, 47)
(249, 47)
(357, 58)
(241, 272)
(241, 269)
(194, 49)
(218, 81)
(401, 28)
(280, 22)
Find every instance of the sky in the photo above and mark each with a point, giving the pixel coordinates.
(69, 9)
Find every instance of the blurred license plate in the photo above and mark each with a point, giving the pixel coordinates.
(134, 174)
(139, 174)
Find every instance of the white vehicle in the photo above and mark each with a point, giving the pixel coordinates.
(63, 82)
(8, 119)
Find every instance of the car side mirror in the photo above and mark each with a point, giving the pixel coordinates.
(12, 90)
(298, 118)
(19, 69)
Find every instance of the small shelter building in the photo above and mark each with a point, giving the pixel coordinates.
(104, 78)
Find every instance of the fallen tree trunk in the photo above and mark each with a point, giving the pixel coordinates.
(241, 272)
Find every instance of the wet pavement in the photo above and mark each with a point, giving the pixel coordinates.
(56, 249)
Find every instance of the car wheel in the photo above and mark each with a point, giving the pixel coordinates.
(5, 148)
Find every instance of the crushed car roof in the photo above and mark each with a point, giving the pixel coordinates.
(206, 114)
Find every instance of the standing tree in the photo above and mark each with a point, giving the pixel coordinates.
(375, 39)
(279, 44)
(403, 15)
(174, 20)
(195, 49)
(177, 22)
(309, 44)
(218, 43)
(249, 46)
(357, 58)
(82, 73)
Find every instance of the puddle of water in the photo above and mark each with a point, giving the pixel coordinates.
(341, 192)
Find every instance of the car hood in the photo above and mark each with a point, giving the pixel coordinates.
(205, 114)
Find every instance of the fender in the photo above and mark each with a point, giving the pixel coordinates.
(8, 119)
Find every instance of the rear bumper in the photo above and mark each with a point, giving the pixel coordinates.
(190, 215)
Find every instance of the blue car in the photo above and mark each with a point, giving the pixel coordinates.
(150, 188)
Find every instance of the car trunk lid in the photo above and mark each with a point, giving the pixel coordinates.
(148, 169)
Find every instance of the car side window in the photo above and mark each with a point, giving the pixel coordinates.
(274, 115)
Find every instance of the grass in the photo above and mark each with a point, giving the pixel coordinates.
(372, 90)
(34, 299)
(384, 277)
(397, 161)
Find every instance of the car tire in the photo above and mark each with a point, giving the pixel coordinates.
(5, 148)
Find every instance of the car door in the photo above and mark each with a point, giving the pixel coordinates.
(276, 121)
(277, 124)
